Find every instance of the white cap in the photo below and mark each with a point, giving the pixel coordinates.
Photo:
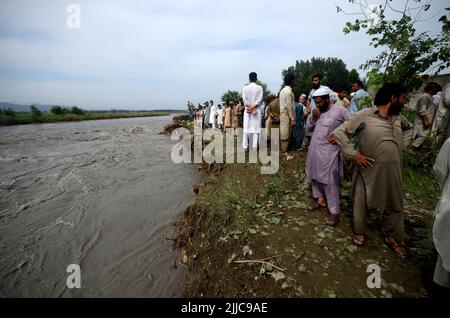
(321, 92)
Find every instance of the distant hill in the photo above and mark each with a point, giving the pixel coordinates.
(24, 108)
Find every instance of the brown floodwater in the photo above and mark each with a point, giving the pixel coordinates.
(99, 194)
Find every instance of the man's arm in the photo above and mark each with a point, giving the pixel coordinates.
(259, 96)
(244, 97)
(446, 95)
(343, 134)
(291, 107)
(407, 130)
(421, 110)
(441, 166)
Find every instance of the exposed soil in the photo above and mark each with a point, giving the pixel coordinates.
(251, 235)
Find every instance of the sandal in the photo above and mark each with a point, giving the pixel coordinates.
(399, 248)
(333, 220)
(358, 240)
(316, 206)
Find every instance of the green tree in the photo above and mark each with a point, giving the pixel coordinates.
(406, 53)
(36, 114)
(230, 96)
(266, 91)
(76, 111)
(57, 110)
(9, 112)
(334, 72)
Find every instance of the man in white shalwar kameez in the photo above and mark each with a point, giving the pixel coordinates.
(212, 115)
(441, 226)
(252, 94)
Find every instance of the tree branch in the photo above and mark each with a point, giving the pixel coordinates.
(260, 262)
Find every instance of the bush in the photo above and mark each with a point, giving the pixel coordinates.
(9, 112)
(77, 111)
(57, 110)
(36, 114)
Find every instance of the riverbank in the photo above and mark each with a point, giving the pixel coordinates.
(27, 118)
(251, 235)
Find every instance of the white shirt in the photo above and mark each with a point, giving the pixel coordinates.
(212, 114)
(252, 94)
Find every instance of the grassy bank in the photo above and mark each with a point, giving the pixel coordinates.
(251, 235)
(27, 118)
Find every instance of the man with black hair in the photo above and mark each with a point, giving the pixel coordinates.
(382, 134)
(252, 95)
(360, 94)
(310, 104)
(342, 99)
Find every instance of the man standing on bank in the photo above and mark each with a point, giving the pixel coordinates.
(287, 114)
(323, 163)
(252, 95)
(381, 133)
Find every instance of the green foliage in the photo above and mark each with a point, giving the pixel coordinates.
(334, 72)
(406, 53)
(365, 102)
(9, 112)
(76, 111)
(36, 114)
(58, 110)
(231, 96)
(28, 118)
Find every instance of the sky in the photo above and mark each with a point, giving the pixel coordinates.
(158, 54)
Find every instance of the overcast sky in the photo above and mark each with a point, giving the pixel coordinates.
(162, 53)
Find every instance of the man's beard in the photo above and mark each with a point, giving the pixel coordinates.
(394, 110)
(323, 109)
(315, 86)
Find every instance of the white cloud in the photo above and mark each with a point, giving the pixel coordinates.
(162, 53)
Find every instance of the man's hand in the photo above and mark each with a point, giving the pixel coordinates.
(293, 122)
(363, 161)
(331, 139)
(315, 114)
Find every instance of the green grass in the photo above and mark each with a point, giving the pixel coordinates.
(26, 118)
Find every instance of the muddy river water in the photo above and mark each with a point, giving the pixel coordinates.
(98, 194)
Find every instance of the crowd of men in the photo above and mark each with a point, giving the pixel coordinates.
(328, 124)
(208, 115)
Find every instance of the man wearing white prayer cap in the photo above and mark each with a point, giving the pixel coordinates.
(323, 163)
(310, 104)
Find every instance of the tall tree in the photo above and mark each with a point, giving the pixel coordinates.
(406, 53)
(230, 96)
(334, 71)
